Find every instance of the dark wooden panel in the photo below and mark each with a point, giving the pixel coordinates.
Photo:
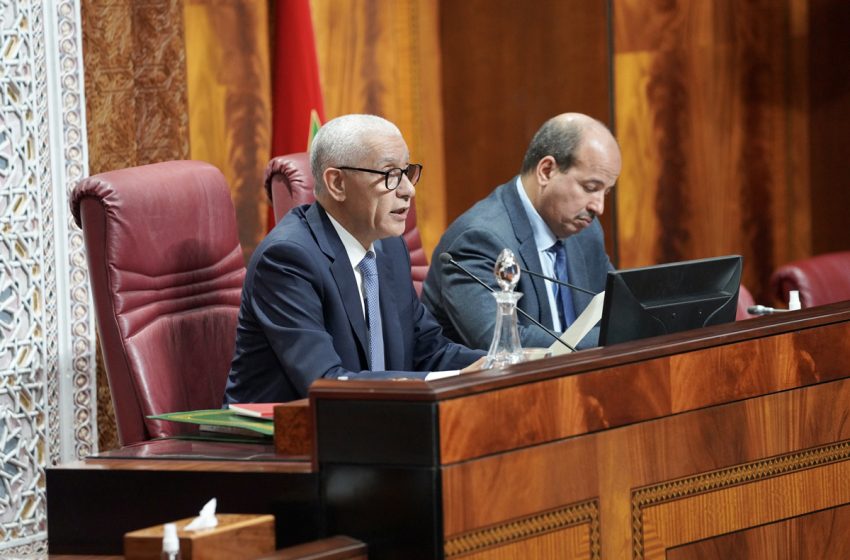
(90, 509)
(396, 510)
(829, 99)
(507, 67)
(390, 433)
(331, 548)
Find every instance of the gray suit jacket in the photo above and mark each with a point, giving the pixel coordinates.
(466, 311)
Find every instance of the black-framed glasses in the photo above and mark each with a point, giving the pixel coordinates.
(392, 177)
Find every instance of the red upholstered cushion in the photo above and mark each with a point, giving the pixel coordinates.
(166, 272)
(289, 183)
(821, 279)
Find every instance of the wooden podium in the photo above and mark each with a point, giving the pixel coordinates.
(726, 442)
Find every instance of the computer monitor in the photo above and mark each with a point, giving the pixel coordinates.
(668, 298)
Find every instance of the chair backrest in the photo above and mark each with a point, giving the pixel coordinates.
(166, 272)
(821, 279)
(745, 301)
(289, 183)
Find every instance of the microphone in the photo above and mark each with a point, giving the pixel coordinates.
(446, 258)
(763, 310)
(556, 281)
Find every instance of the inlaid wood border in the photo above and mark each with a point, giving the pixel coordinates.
(529, 527)
(746, 473)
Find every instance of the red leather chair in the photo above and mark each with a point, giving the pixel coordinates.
(289, 183)
(745, 301)
(166, 273)
(821, 279)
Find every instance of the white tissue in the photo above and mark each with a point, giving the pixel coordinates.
(206, 519)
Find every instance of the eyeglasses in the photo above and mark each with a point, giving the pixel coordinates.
(392, 177)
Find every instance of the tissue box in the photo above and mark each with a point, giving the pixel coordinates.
(236, 536)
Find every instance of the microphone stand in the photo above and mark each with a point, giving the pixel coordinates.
(447, 258)
(556, 281)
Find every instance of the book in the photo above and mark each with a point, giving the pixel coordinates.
(231, 431)
(255, 410)
(220, 417)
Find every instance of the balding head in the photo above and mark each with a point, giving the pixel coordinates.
(344, 141)
(560, 137)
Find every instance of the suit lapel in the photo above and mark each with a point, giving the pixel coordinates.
(527, 248)
(393, 353)
(330, 244)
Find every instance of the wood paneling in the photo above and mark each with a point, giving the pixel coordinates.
(688, 519)
(705, 98)
(829, 114)
(815, 536)
(673, 480)
(495, 421)
(229, 101)
(507, 67)
(135, 66)
(383, 57)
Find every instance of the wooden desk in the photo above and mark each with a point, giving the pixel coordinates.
(696, 444)
(92, 503)
(692, 445)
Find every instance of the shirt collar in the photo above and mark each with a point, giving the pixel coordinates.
(353, 248)
(543, 236)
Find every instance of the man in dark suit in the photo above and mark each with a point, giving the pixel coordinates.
(328, 293)
(571, 164)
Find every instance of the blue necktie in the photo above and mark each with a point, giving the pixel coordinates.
(563, 297)
(373, 312)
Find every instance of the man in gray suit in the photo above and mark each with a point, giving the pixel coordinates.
(571, 164)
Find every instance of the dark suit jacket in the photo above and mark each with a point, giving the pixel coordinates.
(466, 311)
(301, 317)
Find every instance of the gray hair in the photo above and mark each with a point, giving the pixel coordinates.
(342, 141)
(559, 137)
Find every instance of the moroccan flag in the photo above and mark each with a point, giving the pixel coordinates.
(297, 109)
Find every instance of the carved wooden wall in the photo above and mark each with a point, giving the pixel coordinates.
(383, 57)
(229, 93)
(721, 109)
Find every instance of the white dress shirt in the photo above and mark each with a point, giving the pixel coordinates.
(543, 239)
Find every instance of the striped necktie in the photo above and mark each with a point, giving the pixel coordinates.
(369, 270)
(563, 297)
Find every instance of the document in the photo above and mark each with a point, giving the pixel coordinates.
(441, 374)
(581, 326)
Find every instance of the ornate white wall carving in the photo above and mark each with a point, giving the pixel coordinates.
(46, 326)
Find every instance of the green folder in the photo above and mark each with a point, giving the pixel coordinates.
(220, 420)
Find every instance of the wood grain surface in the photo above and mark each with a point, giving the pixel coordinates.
(507, 67)
(710, 108)
(673, 480)
(384, 58)
(229, 101)
(491, 422)
(807, 537)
